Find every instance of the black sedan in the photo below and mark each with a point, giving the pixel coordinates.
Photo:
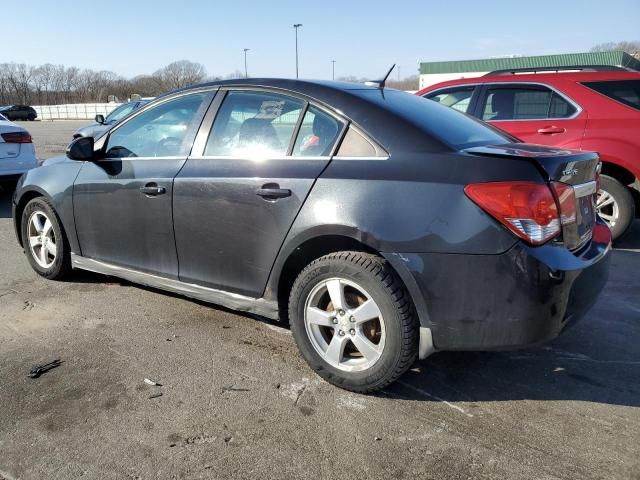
(19, 112)
(380, 225)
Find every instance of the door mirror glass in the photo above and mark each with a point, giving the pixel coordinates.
(81, 149)
(100, 119)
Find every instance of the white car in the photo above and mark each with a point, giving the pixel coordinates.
(17, 153)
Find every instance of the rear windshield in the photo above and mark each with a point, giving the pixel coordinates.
(624, 91)
(445, 124)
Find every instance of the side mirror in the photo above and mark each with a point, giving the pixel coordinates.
(100, 119)
(81, 149)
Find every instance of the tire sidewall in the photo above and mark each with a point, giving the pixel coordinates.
(331, 268)
(39, 204)
(626, 206)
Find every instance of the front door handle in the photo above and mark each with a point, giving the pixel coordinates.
(153, 189)
(551, 130)
(272, 191)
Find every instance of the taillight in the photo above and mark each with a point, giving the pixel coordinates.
(566, 197)
(16, 137)
(528, 209)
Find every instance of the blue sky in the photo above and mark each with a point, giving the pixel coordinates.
(364, 37)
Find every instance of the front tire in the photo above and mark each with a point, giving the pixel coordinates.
(44, 240)
(354, 321)
(615, 206)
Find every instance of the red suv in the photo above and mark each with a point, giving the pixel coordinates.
(587, 108)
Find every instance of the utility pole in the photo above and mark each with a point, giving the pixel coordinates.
(296, 26)
(333, 69)
(246, 74)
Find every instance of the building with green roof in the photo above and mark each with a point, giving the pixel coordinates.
(435, 72)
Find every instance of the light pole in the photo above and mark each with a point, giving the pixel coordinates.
(296, 26)
(333, 69)
(246, 74)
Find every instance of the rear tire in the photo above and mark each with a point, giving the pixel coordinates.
(44, 240)
(367, 342)
(615, 206)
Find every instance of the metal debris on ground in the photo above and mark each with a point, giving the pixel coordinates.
(151, 382)
(40, 369)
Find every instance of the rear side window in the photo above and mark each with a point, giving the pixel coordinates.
(318, 134)
(524, 103)
(254, 124)
(623, 91)
(458, 98)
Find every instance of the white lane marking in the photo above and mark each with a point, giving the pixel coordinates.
(435, 397)
(275, 328)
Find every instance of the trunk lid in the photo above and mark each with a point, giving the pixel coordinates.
(572, 167)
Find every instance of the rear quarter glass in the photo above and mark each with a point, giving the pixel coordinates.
(626, 92)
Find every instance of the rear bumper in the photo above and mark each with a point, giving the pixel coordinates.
(521, 297)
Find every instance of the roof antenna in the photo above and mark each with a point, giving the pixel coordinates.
(381, 83)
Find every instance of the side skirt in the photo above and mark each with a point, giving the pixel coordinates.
(234, 301)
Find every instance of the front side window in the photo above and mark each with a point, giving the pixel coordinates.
(458, 98)
(165, 130)
(624, 91)
(318, 134)
(524, 103)
(254, 124)
(120, 112)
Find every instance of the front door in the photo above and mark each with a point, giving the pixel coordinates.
(122, 203)
(533, 113)
(236, 198)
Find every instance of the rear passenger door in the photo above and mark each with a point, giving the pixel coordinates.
(254, 161)
(533, 113)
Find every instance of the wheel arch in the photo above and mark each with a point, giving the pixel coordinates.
(307, 248)
(625, 177)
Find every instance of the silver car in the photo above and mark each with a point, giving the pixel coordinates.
(17, 153)
(103, 124)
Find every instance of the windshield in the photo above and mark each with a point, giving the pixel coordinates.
(447, 125)
(624, 91)
(2, 117)
(120, 112)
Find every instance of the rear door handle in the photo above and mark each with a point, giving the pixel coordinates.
(551, 130)
(273, 192)
(153, 189)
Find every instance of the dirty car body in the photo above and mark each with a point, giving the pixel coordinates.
(405, 182)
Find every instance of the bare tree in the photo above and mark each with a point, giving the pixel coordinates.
(56, 84)
(180, 74)
(631, 47)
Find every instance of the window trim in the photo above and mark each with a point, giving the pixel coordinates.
(482, 99)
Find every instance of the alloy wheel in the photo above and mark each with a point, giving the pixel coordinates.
(42, 239)
(607, 207)
(344, 324)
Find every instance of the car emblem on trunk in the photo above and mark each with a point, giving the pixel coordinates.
(569, 171)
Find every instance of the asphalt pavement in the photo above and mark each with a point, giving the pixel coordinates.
(238, 401)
